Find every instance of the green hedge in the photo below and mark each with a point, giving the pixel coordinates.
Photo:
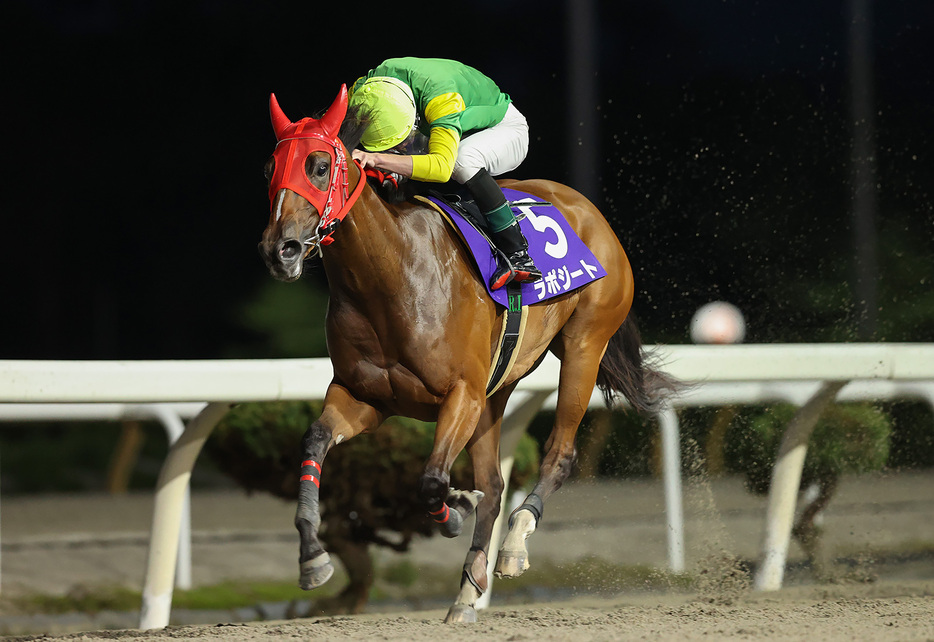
(367, 483)
(848, 438)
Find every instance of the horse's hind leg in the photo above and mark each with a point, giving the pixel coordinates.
(578, 376)
(343, 418)
(483, 449)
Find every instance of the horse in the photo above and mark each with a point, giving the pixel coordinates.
(412, 331)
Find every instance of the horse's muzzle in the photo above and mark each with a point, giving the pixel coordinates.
(284, 260)
(289, 251)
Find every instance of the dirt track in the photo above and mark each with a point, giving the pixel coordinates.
(828, 614)
(621, 522)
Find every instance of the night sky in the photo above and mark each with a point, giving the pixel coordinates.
(137, 132)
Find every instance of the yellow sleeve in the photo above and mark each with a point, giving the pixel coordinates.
(444, 105)
(438, 164)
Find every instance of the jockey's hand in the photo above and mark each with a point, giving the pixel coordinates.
(398, 163)
(364, 158)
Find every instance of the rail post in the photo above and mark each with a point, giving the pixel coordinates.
(786, 479)
(171, 491)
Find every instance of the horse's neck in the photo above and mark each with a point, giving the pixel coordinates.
(372, 250)
(395, 272)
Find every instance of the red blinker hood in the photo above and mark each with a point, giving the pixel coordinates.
(298, 140)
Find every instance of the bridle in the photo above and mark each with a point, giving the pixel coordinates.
(296, 141)
(330, 217)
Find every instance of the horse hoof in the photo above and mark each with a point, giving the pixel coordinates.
(315, 572)
(513, 557)
(511, 563)
(464, 501)
(461, 613)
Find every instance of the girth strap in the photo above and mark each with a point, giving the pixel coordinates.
(511, 336)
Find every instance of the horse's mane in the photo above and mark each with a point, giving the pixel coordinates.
(355, 123)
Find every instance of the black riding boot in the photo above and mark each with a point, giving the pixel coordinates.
(505, 232)
(519, 265)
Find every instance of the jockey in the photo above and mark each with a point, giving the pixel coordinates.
(474, 133)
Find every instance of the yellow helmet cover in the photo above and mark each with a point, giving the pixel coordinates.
(391, 107)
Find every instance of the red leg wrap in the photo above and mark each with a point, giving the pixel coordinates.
(437, 515)
(310, 475)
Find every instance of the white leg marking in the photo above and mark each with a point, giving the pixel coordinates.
(468, 595)
(513, 558)
(522, 528)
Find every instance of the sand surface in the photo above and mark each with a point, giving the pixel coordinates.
(880, 530)
(846, 613)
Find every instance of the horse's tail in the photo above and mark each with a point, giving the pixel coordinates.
(630, 370)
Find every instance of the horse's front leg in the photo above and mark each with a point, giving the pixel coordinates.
(457, 420)
(483, 448)
(343, 418)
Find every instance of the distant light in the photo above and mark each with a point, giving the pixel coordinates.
(718, 322)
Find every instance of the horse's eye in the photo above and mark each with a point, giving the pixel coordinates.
(317, 168)
(269, 169)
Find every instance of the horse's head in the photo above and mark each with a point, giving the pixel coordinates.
(308, 187)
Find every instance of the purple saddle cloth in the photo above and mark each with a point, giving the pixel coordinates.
(566, 263)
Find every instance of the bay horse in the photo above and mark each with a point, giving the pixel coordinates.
(411, 331)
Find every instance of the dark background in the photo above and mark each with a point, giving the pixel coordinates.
(717, 137)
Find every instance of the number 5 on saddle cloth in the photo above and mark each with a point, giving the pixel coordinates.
(566, 263)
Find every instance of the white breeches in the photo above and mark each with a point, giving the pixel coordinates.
(500, 148)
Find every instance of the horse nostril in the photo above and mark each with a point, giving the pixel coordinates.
(290, 250)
